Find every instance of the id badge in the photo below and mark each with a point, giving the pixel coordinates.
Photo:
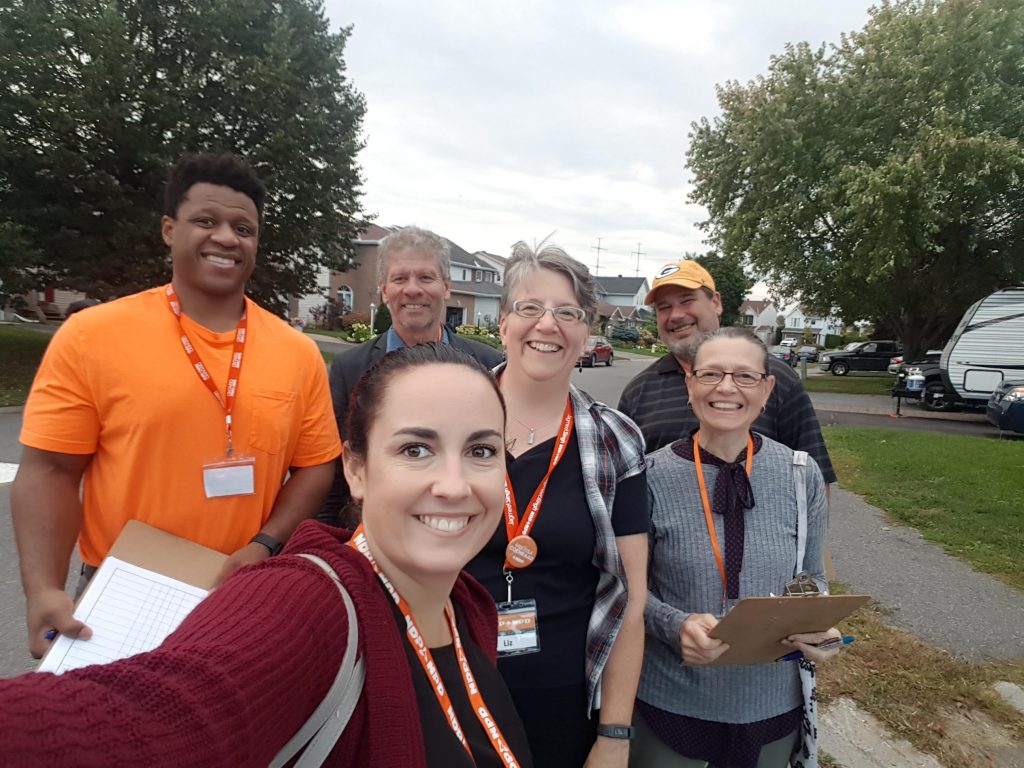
(518, 631)
(230, 477)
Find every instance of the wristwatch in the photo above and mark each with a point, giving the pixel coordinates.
(269, 542)
(615, 731)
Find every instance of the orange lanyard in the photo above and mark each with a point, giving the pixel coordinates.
(707, 505)
(514, 526)
(426, 659)
(227, 402)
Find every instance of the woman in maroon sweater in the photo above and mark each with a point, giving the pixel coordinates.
(249, 665)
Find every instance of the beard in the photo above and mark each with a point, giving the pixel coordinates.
(683, 349)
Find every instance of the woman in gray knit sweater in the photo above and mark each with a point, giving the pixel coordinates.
(724, 519)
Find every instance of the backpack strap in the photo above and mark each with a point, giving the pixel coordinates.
(324, 727)
(800, 486)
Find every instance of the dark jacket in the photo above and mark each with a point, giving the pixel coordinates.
(345, 372)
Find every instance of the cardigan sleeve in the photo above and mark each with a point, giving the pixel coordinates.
(228, 688)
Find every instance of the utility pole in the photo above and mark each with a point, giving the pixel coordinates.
(638, 254)
(598, 248)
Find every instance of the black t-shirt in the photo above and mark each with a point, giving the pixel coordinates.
(443, 748)
(563, 578)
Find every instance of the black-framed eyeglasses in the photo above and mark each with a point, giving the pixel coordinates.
(740, 378)
(531, 310)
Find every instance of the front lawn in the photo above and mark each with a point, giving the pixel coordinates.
(851, 383)
(961, 492)
(21, 350)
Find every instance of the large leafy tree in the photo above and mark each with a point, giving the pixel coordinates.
(99, 97)
(883, 176)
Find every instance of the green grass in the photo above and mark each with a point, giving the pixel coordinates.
(324, 332)
(646, 351)
(21, 350)
(961, 492)
(850, 384)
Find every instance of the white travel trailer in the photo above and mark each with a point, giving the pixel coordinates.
(987, 347)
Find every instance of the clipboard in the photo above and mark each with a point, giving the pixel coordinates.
(754, 628)
(156, 550)
(130, 604)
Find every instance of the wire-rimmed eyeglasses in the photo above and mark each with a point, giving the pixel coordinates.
(531, 310)
(711, 376)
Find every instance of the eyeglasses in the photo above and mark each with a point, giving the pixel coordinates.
(531, 310)
(740, 378)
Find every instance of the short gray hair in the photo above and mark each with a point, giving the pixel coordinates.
(524, 262)
(730, 332)
(418, 239)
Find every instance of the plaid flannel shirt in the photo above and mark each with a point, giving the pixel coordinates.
(611, 450)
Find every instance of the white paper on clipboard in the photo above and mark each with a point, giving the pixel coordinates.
(129, 609)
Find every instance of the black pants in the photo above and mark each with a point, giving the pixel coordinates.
(557, 727)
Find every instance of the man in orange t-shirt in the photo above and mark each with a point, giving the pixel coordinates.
(187, 407)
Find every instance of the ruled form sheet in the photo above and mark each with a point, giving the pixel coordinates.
(129, 609)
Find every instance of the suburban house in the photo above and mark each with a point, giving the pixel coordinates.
(761, 317)
(475, 293)
(621, 301)
(809, 327)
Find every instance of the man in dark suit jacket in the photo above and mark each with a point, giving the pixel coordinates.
(414, 276)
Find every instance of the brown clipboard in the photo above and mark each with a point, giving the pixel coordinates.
(156, 550)
(755, 627)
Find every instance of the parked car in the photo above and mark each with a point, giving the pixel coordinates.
(790, 341)
(808, 353)
(861, 356)
(894, 364)
(1006, 407)
(783, 352)
(597, 350)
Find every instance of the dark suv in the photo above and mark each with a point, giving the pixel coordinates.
(862, 356)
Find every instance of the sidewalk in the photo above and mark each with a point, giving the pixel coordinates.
(933, 595)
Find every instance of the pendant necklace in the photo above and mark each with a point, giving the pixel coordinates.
(532, 430)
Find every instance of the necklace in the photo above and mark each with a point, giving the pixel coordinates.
(530, 435)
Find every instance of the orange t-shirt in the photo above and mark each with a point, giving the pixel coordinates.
(116, 383)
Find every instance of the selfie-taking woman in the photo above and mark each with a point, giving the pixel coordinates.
(724, 526)
(568, 560)
(245, 670)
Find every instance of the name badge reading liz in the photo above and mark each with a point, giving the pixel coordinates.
(517, 628)
(230, 477)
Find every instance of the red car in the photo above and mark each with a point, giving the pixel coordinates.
(597, 350)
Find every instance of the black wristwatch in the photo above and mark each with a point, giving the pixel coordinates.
(615, 731)
(269, 542)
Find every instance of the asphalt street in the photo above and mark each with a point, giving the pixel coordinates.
(932, 594)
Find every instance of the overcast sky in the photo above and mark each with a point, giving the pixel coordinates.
(491, 121)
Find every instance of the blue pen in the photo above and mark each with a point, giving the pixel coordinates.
(50, 634)
(836, 641)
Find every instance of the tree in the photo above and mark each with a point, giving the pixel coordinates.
(98, 99)
(731, 280)
(882, 176)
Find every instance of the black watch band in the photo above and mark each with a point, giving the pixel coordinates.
(269, 542)
(615, 731)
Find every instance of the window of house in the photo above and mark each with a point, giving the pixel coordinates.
(476, 275)
(345, 297)
(748, 319)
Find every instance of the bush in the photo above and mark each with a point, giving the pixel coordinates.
(354, 317)
(625, 334)
(383, 319)
(360, 332)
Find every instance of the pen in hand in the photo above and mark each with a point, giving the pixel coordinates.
(834, 642)
(50, 634)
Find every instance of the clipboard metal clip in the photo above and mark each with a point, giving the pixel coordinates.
(802, 586)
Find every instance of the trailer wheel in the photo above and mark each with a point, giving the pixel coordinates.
(936, 398)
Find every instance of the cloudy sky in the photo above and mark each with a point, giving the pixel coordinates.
(492, 121)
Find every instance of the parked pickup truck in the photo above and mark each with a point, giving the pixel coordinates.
(861, 356)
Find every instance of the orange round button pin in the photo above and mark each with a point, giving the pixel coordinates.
(521, 551)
